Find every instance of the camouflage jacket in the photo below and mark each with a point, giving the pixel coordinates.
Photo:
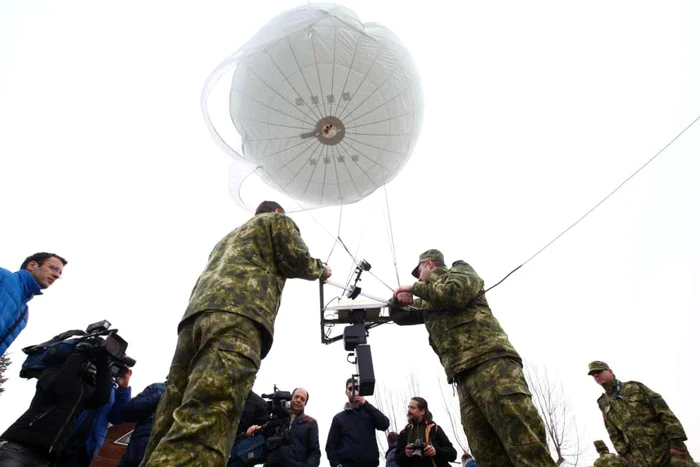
(640, 424)
(610, 460)
(463, 331)
(248, 268)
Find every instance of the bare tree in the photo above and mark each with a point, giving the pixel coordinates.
(564, 439)
(393, 404)
(4, 365)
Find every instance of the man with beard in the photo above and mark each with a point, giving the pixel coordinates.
(423, 443)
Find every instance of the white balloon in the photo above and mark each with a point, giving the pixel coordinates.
(327, 109)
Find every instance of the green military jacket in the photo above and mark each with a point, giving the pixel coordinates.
(248, 268)
(463, 331)
(607, 459)
(640, 424)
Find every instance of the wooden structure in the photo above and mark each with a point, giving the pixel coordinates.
(114, 445)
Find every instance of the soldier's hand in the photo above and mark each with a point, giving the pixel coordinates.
(403, 288)
(429, 450)
(326, 272)
(404, 298)
(251, 431)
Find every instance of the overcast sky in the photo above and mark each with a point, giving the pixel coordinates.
(534, 111)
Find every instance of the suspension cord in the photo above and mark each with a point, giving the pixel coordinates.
(340, 218)
(392, 246)
(598, 204)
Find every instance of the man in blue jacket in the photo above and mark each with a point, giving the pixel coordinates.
(351, 439)
(37, 272)
(141, 409)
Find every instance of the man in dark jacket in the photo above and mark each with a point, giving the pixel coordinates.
(499, 418)
(247, 449)
(141, 409)
(36, 273)
(391, 439)
(38, 437)
(90, 431)
(351, 440)
(301, 449)
(422, 443)
(225, 332)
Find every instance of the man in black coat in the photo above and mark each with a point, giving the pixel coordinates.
(38, 437)
(351, 440)
(422, 443)
(300, 447)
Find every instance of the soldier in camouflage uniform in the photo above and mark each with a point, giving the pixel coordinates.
(607, 459)
(225, 332)
(641, 426)
(498, 416)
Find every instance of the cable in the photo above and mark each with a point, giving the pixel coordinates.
(340, 218)
(598, 204)
(391, 237)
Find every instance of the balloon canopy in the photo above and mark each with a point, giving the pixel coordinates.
(327, 109)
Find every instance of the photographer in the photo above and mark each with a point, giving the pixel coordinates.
(300, 447)
(351, 439)
(63, 391)
(422, 442)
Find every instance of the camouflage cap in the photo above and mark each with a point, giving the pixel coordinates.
(597, 366)
(434, 255)
(600, 446)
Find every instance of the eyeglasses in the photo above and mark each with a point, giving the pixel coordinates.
(354, 388)
(55, 269)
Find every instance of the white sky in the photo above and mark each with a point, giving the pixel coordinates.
(534, 112)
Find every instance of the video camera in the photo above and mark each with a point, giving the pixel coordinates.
(276, 429)
(56, 350)
(274, 434)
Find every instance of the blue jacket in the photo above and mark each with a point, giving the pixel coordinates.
(16, 289)
(91, 438)
(141, 410)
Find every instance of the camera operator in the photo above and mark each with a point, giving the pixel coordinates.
(38, 437)
(301, 447)
(422, 442)
(90, 430)
(247, 450)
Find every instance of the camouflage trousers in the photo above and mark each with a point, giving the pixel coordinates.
(214, 367)
(502, 425)
(665, 459)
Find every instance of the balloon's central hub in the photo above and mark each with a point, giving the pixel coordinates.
(330, 130)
